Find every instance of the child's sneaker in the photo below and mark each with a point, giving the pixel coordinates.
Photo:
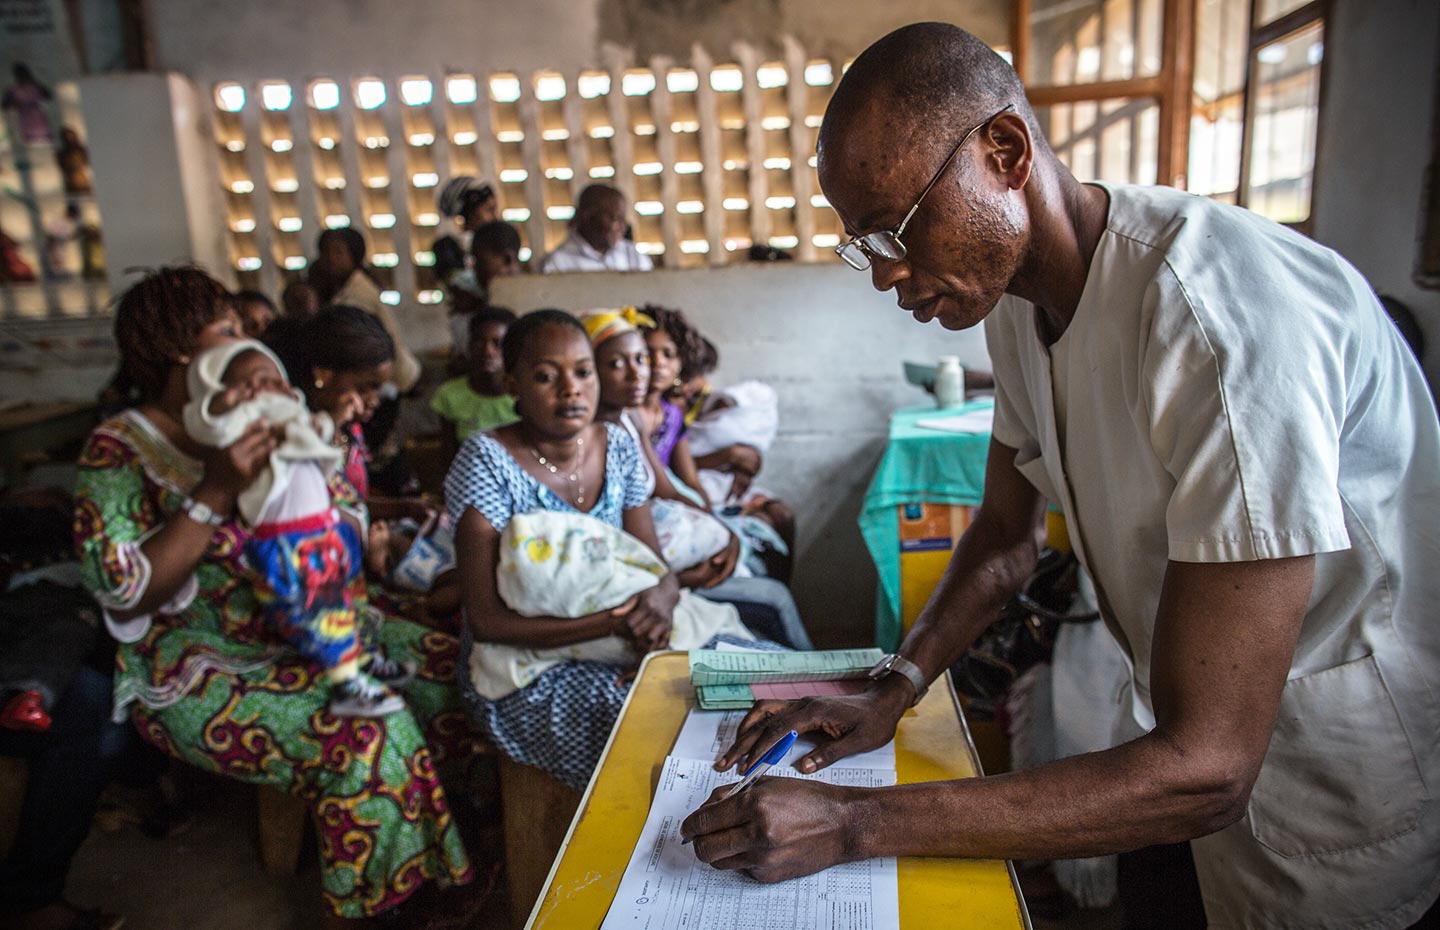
(363, 696)
(389, 672)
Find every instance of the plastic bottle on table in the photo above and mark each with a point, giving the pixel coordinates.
(949, 382)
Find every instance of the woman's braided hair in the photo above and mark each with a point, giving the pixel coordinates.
(159, 319)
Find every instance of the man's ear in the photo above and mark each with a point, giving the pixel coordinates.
(1011, 149)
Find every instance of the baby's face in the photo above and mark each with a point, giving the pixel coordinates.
(249, 375)
(386, 547)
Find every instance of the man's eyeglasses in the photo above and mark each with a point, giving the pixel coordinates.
(886, 244)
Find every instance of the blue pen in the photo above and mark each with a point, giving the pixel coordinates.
(760, 767)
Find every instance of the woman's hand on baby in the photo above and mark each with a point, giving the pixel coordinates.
(649, 619)
(231, 470)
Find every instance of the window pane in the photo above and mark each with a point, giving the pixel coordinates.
(1267, 11)
(1282, 139)
(1107, 140)
(1217, 111)
(1082, 41)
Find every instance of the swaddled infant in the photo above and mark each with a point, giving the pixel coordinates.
(304, 555)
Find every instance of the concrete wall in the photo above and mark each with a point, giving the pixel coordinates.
(286, 39)
(832, 348)
(1382, 69)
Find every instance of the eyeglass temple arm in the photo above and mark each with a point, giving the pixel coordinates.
(946, 167)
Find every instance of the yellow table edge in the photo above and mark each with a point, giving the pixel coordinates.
(587, 870)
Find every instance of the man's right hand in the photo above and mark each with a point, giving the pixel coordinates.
(854, 723)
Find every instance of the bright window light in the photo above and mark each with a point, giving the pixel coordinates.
(732, 245)
(689, 167)
(422, 138)
(289, 224)
(694, 246)
(461, 88)
(682, 81)
(772, 75)
(425, 259)
(637, 83)
(385, 259)
(775, 122)
(375, 182)
(733, 122)
(561, 213)
(549, 87)
(644, 129)
(242, 187)
(780, 203)
(826, 241)
(465, 138)
(727, 79)
(650, 248)
(336, 221)
(524, 254)
(504, 88)
(235, 145)
(602, 171)
(285, 185)
(276, 96)
(376, 142)
(391, 298)
(690, 206)
(425, 179)
(334, 184)
(735, 203)
(243, 226)
(819, 201)
(416, 92)
(783, 242)
(649, 207)
(602, 132)
(813, 121)
(248, 263)
(645, 168)
(555, 135)
(685, 125)
(295, 263)
(734, 164)
(1003, 53)
(1271, 54)
(813, 161)
(514, 175)
(592, 85)
(427, 219)
(515, 214)
(325, 142)
(559, 174)
(324, 95)
(281, 145)
(819, 74)
(432, 296)
(230, 98)
(779, 164)
(382, 220)
(369, 93)
(510, 135)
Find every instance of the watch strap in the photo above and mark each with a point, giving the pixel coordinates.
(201, 512)
(898, 664)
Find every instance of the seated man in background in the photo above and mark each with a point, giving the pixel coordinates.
(597, 237)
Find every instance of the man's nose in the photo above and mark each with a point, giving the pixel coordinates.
(885, 274)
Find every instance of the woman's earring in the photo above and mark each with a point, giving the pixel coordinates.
(319, 384)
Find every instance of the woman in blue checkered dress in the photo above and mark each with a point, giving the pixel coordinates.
(556, 458)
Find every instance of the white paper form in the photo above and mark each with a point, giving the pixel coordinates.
(708, 733)
(666, 888)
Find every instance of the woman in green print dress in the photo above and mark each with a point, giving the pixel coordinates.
(197, 670)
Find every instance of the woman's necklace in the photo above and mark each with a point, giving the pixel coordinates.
(574, 475)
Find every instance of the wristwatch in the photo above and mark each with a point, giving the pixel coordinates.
(894, 662)
(201, 513)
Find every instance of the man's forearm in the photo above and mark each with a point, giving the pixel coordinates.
(1139, 794)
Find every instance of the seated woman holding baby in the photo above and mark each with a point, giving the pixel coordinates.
(562, 583)
(163, 524)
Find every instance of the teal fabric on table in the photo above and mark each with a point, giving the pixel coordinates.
(920, 466)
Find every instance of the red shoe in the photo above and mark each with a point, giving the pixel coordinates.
(25, 711)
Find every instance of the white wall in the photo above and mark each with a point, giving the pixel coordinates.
(1376, 132)
(286, 39)
(832, 348)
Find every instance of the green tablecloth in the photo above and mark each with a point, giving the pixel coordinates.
(921, 465)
